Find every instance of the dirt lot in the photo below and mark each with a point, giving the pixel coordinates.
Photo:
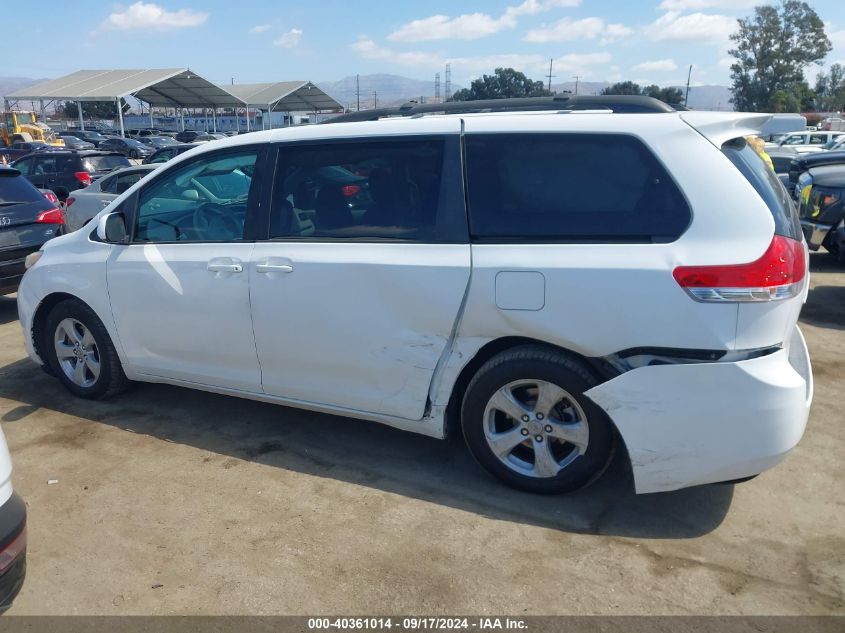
(179, 502)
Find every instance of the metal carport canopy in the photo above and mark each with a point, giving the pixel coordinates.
(161, 87)
(285, 96)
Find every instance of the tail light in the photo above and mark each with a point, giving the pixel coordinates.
(350, 190)
(69, 201)
(51, 197)
(83, 177)
(51, 216)
(776, 275)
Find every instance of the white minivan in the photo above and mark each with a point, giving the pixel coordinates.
(554, 279)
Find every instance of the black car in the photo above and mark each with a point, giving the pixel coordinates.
(63, 171)
(803, 162)
(89, 136)
(822, 210)
(127, 146)
(188, 136)
(157, 142)
(27, 220)
(22, 148)
(166, 153)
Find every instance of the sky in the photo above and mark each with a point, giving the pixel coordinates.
(648, 41)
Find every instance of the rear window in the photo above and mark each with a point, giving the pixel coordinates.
(751, 165)
(105, 163)
(571, 187)
(14, 189)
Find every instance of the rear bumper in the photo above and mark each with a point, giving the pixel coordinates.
(691, 424)
(814, 233)
(12, 543)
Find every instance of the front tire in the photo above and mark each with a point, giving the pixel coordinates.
(80, 352)
(527, 421)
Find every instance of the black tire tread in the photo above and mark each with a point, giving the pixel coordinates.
(544, 354)
(116, 381)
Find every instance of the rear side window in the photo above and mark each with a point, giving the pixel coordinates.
(570, 187)
(104, 163)
(15, 189)
(766, 183)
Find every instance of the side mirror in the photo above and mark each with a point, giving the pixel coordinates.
(111, 228)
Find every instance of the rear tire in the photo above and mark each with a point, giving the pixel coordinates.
(80, 352)
(527, 421)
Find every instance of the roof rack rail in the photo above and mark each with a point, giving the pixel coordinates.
(621, 104)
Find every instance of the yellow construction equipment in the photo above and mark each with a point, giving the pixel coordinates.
(21, 125)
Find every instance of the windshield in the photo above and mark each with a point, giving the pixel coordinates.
(25, 118)
(105, 163)
(162, 140)
(131, 142)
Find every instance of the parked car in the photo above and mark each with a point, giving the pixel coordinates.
(803, 162)
(142, 133)
(822, 209)
(127, 146)
(782, 162)
(22, 148)
(166, 153)
(188, 136)
(27, 220)
(84, 204)
(12, 527)
(63, 171)
(95, 138)
(157, 142)
(806, 141)
(72, 142)
(467, 293)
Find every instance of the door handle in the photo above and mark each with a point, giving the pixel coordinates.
(225, 268)
(273, 268)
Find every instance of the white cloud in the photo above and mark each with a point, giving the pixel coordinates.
(567, 30)
(260, 28)
(693, 5)
(532, 64)
(703, 27)
(472, 26)
(657, 65)
(150, 16)
(289, 39)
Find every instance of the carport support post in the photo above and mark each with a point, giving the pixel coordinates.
(214, 116)
(79, 112)
(151, 116)
(247, 118)
(120, 117)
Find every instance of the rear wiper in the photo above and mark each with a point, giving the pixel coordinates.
(11, 204)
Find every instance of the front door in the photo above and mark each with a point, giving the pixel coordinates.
(180, 290)
(356, 293)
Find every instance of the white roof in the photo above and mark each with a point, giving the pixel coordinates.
(285, 96)
(159, 87)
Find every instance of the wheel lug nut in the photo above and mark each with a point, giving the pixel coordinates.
(539, 438)
(539, 416)
(548, 428)
(525, 431)
(525, 418)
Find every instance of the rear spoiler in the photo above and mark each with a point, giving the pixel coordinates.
(720, 127)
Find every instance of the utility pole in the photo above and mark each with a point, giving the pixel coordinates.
(375, 99)
(437, 88)
(550, 75)
(689, 76)
(358, 90)
(577, 79)
(448, 82)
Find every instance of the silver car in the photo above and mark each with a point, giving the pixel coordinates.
(84, 204)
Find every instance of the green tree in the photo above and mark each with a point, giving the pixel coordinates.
(504, 83)
(772, 47)
(623, 88)
(93, 109)
(830, 89)
(672, 96)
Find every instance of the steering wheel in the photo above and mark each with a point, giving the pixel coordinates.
(214, 221)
